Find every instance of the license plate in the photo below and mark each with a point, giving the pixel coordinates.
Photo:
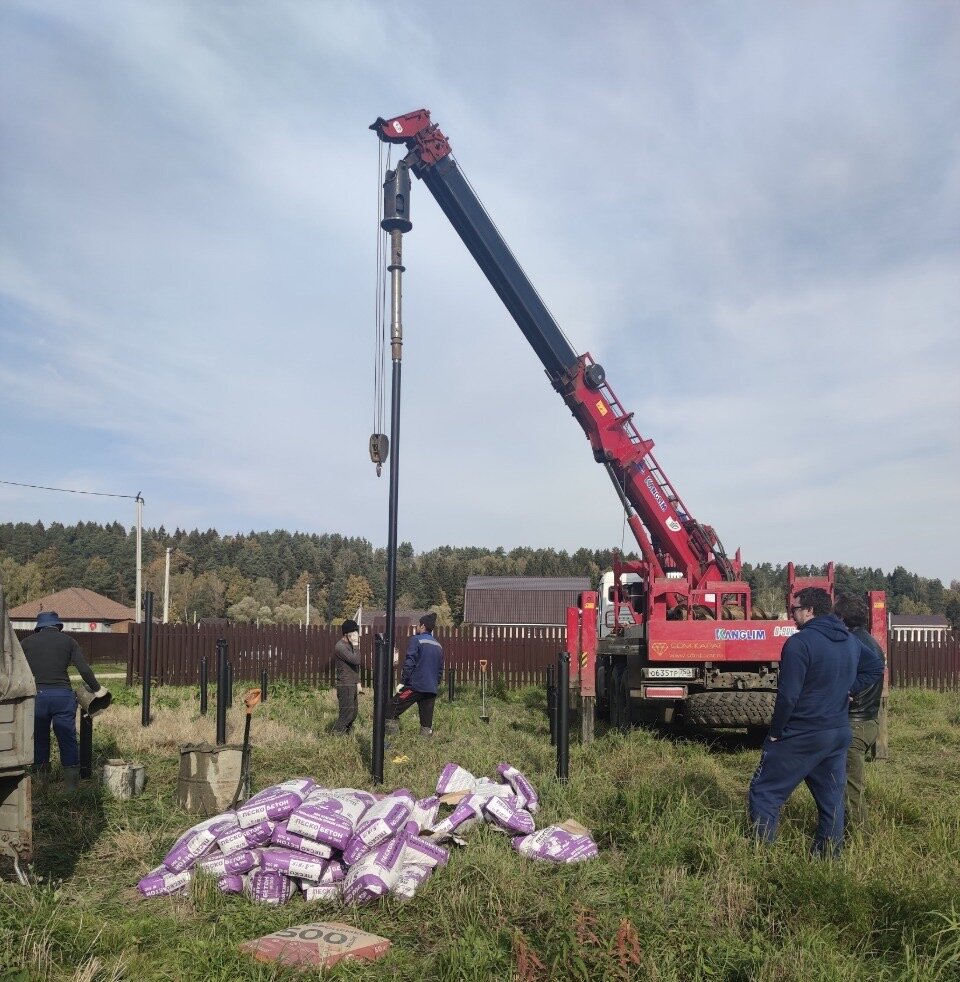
(669, 673)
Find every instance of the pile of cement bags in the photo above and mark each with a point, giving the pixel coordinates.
(343, 845)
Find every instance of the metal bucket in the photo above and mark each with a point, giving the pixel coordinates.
(92, 704)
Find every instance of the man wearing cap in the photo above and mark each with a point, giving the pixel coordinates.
(346, 655)
(420, 678)
(49, 654)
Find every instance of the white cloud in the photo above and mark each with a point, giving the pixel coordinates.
(748, 214)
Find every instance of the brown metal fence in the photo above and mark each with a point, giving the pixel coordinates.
(933, 663)
(98, 649)
(517, 656)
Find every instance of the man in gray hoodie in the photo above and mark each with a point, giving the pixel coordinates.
(346, 655)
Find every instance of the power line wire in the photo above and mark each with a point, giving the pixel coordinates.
(99, 494)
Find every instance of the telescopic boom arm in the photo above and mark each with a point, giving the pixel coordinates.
(668, 536)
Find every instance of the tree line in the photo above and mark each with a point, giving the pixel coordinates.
(264, 576)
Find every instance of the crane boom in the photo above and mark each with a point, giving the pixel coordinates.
(667, 534)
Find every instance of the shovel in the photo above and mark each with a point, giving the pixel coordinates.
(484, 718)
(251, 699)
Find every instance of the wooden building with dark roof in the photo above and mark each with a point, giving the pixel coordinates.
(521, 601)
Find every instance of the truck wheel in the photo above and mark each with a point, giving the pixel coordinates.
(739, 709)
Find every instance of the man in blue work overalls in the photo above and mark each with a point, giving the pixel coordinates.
(420, 678)
(820, 666)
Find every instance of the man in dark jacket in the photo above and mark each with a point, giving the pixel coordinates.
(864, 710)
(49, 654)
(420, 678)
(346, 654)
(820, 666)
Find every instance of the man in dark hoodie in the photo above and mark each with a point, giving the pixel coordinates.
(50, 653)
(420, 678)
(346, 655)
(820, 666)
(864, 710)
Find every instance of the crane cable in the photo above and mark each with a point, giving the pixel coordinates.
(380, 305)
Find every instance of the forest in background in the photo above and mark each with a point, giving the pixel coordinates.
(263, 576)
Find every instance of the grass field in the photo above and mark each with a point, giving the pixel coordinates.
(677, 892)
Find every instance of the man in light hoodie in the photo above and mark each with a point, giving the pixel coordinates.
(821, 666)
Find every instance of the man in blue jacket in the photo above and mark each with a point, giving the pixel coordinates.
(420, 678)
(820, 667)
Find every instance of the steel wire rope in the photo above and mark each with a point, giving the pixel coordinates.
(379, 336)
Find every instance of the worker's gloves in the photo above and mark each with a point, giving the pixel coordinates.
(100, 693)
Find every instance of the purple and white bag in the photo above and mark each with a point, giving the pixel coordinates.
(196, 841)
(160, 882)
(274, 803)
(292, 863)
(486, 788)
(232, 883)
(424, 812)
(237, 839)
(218, 864)
(366, 798)
(269, 887)
(300, 786)
(375, 873)
(521, 785)
(328, 893)
(507, 814)
(329, 888)
(286, 839)
(330, 819)
(467, 813)
(556, 845)
(453, 777)
(410, 878)
(383, 820)
(420, 852)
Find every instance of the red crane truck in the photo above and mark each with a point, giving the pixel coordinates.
(683, 639)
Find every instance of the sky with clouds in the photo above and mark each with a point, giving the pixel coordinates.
(749, 213)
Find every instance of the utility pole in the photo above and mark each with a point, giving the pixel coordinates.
(139, 599)
(308, 605)
(396, 221)
(166, 587)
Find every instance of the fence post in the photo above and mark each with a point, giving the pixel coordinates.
(221, 691)
(552, 705)
(86, 745)
(204, 681)
(229, 685)
(450, 685)
(563, 716)
(147, 656)
(263, 685)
